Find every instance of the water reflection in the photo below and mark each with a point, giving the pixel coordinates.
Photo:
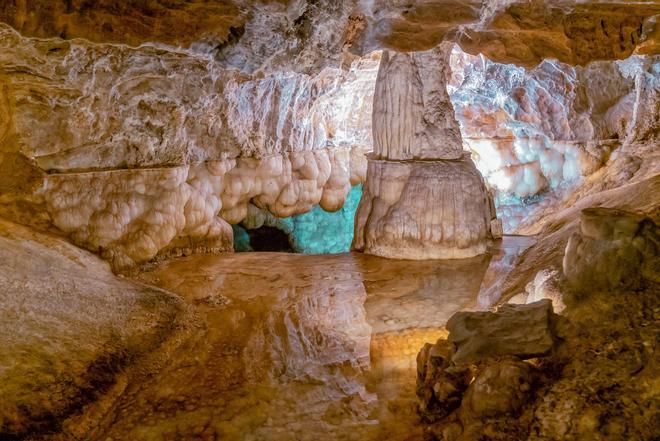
(287, 347)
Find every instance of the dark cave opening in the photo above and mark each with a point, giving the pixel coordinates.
(266, 238)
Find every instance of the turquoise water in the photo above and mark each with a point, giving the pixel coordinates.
(314, 232)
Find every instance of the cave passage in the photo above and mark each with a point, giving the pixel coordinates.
(316, 232)
(265, 238)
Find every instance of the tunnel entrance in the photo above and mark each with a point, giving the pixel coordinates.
(266, 238)
(315, 232)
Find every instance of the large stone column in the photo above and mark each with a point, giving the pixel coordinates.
(424, 198)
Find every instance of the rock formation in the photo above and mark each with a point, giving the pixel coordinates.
(423, 199)
(524, 331)
(68, 330)
(145, 131)
(613, 250)
(474, 383)
(517, 31)
(315, 232)
(168, 147)
(536, 134)
(479, 373)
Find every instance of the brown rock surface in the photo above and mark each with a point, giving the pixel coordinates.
(500, 388)
(509, 31)
(524, 331)
(125, 21)
(69, 329)
(614, 250)
(517, 31)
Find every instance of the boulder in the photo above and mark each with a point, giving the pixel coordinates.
(524, 331)
(70, 330)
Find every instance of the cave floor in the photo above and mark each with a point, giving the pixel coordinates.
(289, 346)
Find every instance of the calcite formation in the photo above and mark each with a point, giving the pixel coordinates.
(538, 133)
(545, 285)
(412, 115)
(603, 340)
(423, 198)
(305, 34)
(143, 129)
(139, 152)
(131, 216)
(316, 232)
(423, 210)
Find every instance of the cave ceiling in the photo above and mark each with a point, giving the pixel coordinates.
(506, 31)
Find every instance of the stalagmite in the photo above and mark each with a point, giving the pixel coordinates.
(424, 198)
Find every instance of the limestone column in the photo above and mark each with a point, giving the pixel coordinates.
(424, 198)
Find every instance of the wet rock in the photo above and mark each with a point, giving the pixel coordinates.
(613, 250)
(500, 388)
(69, 331)
(524, 331)
(440, 392)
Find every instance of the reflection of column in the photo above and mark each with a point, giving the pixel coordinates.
(424, 198)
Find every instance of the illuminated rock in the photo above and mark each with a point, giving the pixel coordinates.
(69, 329)
(131, 216)
(412, 115)
(158, 150)
(423, 199)
(536, 134)
(423, 210)
(316, 232)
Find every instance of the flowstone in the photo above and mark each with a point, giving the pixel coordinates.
(423, 198)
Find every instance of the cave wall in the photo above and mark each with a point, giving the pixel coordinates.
(141, 151)
(315, 232)
(537, 133)
(172, 130)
